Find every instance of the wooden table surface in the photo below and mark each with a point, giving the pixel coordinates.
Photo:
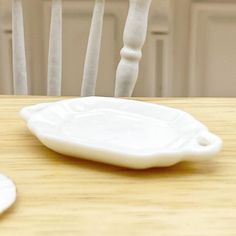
(58, 195)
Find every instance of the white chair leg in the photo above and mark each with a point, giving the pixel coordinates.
(93, 50)
(18, 48)
(55, 50)
(134, 38)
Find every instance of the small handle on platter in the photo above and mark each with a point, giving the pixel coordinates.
(205, 144)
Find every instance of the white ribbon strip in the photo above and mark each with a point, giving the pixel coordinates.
(93, 50)
(55, 50)
(18, 48)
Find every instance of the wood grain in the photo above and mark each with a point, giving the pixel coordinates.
(58, 195)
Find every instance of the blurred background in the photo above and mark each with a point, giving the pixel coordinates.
(190, 48)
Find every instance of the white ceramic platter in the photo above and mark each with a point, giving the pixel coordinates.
(7, 193)
(121, 132)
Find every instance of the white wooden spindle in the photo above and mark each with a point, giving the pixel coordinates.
(134, 38)
(18, 48)
(93, 50)
(55, 50)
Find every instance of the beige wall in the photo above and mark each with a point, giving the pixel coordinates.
(190, 48)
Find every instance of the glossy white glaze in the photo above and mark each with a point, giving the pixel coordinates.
(121, 132)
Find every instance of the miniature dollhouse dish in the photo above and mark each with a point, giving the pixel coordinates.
(7, 193)
(121, 132)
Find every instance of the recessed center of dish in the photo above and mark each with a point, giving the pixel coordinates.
(120, 131)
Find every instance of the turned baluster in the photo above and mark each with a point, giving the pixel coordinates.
(134, 38)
